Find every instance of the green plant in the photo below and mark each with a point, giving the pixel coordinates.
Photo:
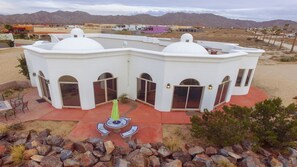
(123, 98)
(223, 128)
(17, 153)
(23, 66)
(288, 59)
(274, 125)
(8, 93)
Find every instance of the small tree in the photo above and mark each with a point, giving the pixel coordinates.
(274, 125)
(223, 128)
(23, 66)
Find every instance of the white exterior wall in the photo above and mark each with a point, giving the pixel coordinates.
(127, 64)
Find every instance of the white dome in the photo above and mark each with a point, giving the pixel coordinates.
(77, 42)
(185, 46)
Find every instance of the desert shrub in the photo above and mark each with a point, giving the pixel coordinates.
(124, 98)
(23, 66)
(274, 125)
(17, 153)
(223, 128)
(3, 129)
(172, 144)
(288, 59)
(16, 127)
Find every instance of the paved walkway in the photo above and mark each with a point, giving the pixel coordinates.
(145, 117)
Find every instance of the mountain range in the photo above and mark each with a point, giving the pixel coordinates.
(190, 19)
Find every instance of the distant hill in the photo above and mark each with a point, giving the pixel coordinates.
(191, 19)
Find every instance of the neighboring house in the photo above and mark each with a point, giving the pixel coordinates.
(155, 29)
(86, 70)
(126, 27)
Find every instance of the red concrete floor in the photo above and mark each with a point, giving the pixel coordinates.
(145, 117)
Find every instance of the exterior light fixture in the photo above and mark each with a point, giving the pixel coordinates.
(210, 87)
(47, 81)
(34, 74)
(168, 86)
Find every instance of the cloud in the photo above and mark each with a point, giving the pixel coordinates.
(137, 7)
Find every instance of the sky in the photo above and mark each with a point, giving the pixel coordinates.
(258, 10)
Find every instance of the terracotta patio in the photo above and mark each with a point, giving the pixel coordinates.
(145, 117)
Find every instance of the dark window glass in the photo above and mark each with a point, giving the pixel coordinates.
(225, 91)
(180, 97)
(151, 92)
(194, 97)
(105, 76)
(189, 82)
(239, 77)
(111, 89)
(218, 96)
(99, 91)
(141, 89)
(248, 77)
(146, 76)
(70, 94)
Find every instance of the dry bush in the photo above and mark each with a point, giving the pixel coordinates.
(17, 153)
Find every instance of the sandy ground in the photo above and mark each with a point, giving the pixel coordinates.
(8, 61)
(278, 80)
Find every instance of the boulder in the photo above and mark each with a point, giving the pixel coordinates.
(146, 151)
(57, 149)
(32, 163)
(65, 154)
(251, 162)
(79, 147)
(29, 153)
(237, 148)
(100, 146)
(210, 151)
(3, 150)
(174, 163)
(164, 152)
(7, 160)
(195, 150)
(68, 145)
(43, 149)
(264, 152)
(275, 163)
(35, 143)
(122, 163)
(88, 159)
(202, 160)
(109, 147)
(228, 148)
(98, 154)
(219, 160)
(43, 134)
(20, 142)
(51, 161)
(54, 140)
(284, 161)
(37, 158)
(147, 145)
(93, 140)
(235, 156)
(103, 164)
(71, 162)
(182, 156)
(106, 158)
(154, 161)
(293, 152)
(132, 144)
(137, 159)
(247, 145)
(89, 147)
(32, 135)
(223, 152)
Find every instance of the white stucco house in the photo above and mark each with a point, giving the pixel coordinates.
(85, 70)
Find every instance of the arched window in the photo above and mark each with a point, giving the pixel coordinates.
(189, 82)
(69, 91)
(146, 89)
(44, 86)
(187, 95)
(222, 91)
(105, 89)
(146, 76)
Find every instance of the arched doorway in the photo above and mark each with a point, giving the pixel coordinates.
(222, 91)
(44, 86)
(69, 91)
(146, 89)
(105, 88)
(187, 95)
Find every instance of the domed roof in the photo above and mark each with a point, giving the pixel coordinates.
(77, 42)
(185, 46)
